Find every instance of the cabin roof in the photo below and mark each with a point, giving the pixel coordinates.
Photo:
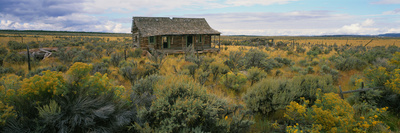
(155, 26)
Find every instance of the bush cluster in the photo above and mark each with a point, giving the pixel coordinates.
(190, 109)
(268, 96)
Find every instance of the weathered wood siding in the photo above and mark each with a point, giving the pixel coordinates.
(176, 42)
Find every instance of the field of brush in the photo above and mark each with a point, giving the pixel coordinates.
(99, 82)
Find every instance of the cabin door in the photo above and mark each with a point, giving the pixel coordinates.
(189, 41)
(166, 42)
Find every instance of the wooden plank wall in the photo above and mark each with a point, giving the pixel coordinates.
(176, 41)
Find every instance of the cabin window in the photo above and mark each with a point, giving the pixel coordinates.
(152, 39)
(199, 38)
(136, 39)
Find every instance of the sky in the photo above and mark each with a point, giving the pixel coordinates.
(230, 17)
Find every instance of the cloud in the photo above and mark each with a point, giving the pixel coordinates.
(115, 16)
(364, 27)
(148, 7)
(318, 22)
(256, 2)
(60, 15)
(387, 2)
(72, 22)
(29, 10)
(275, 23)
(158, 6)
(89, 15)
(394, 12)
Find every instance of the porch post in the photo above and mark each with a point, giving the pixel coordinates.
(202, 41)
(183, 43)
(219, 42)
(214, 40)
(194, 42)
(162, 45)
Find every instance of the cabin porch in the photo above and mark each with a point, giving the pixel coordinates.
(197, 49)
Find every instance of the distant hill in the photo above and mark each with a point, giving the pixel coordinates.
(390, 35)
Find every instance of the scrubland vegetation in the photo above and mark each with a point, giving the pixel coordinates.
(103, 84)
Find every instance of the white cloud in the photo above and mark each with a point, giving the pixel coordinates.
(73, 22)
(147, 6)
(387, 2)
(273, 23)
(394, 12)
(156, 6)
(256, 2)
(364, 27)
(8, 24)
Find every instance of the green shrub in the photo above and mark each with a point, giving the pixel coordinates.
(376, 77)
(98, 51)
(191, 67)
(5, 70)
(254, 74)
(15, 58)
(146, 85)
(309, 84)
(278, 72)
(350, 63)
(89, 46)
(100, 67)
(296, 69)
(300, 50)
(254, 58)
(202, 75)
(314, 63)
(37, 72)
(83, 103)
(83, 56)
(217, 69)
(184, 106)
(270, 95)
(20, 73)
(1, 60)
(205, 62)
(234, 81)
(133, 71)
(303, 63)
(270, 64)
(67, 56)
(137, 53)
(284, 61)
(376, 52)
(13, 45)
(116, 58)
(328, 50)
(310, 70)
(3, 53)
(235, 60)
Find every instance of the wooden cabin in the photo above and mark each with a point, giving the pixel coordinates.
(173, 35)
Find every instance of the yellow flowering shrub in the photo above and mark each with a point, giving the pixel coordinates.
(333, 113)
(330, 114)
(394, 82)
(376, 77)
(295, 110)
(100, 84)
(395, 59)
(43, 87)
(8, 86)
(79, 72)
(370, 122)
(6, 112)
